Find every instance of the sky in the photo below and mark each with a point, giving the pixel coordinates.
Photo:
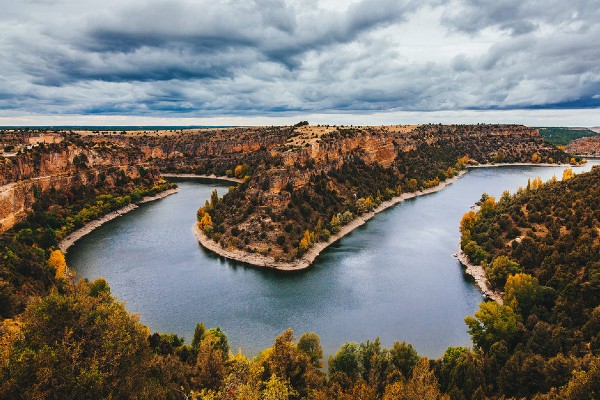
(267, 62)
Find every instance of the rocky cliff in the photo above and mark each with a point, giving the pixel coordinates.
(62, 167)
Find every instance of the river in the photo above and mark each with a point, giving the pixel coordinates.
(394, 277)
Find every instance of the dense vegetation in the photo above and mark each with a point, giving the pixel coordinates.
(542, 247)
(560, 136)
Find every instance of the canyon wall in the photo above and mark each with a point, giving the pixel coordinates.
(62, 167)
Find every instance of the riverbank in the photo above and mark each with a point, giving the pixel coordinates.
(308, 258)
(213, 176)
(478, 273)
(90, 226)
(521, 165)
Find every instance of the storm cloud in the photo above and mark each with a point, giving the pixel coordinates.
(204, 58)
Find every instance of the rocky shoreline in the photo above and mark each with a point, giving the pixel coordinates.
(308, 258)
(90, 226)
(478, 273)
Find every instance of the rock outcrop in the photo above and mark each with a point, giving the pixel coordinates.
(61, 167)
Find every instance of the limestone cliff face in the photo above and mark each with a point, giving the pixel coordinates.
(16, 200)
(61, 167)
(58, 160)
(372, 148)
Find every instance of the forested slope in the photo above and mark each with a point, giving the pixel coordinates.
(542, 247)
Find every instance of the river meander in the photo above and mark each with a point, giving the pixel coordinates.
(394, 277)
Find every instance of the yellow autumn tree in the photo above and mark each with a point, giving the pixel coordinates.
(238, 171)
(305, 242)
(206, 223)
(278, 389)
(335, 223)
(467, 222)
(319, 226)
(522, 292)
(241, 171)
(462, 162)
(200, 213)
(536, 183)
(568, 174)
(488, 206)
(412, 185)
(58, 262)
(363, 205)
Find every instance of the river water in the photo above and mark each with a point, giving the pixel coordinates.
(394, 277)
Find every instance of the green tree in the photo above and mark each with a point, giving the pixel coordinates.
(493, 322)
(476, 253)
(310, 344)
(346, 360)
(404, 358)
(199, 332)
(74, 345)
(500, 269)
(214, 199)
(220, 340)
(461, 373)
(522, 292)
(374, 364)
(210, 369)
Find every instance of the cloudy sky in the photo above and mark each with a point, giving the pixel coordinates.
(275, 61)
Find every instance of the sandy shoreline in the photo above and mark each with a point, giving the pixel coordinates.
(307, 259)
(213, 176)
(523, 165)
(478, 273)
(90, 226)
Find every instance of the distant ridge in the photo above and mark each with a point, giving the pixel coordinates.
(116, 127)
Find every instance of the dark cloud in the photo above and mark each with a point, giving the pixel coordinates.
(519, 17)
(205, 58)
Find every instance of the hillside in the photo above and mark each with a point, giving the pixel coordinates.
(541, 246)
(588, 146)
(321, 178)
